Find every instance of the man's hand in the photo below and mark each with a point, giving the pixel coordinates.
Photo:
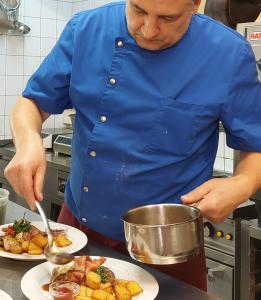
(217, 198)
(26, 171)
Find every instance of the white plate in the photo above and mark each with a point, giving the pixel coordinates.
(34, 278)
(4, 296)
(78, 238)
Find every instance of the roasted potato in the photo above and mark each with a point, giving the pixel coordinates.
(134, 288)
(107, 287)
(62, 241)
(83, 298)
(34, 249)
(93, 280)
(110, 297)
(99, 295)
(40, 240)
(25, 246)
(122, 293)
(121, 282)
(85, 291)
(16, 249)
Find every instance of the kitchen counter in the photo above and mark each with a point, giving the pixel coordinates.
(12, 271)
(61, 162)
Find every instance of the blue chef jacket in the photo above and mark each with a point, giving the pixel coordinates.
(146, 127)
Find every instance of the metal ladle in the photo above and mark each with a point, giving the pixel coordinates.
(52, 253)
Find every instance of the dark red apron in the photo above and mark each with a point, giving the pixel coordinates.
(192, 272)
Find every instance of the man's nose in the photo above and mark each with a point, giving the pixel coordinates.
(150, 28)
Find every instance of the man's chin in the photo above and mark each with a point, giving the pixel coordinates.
(152, 46)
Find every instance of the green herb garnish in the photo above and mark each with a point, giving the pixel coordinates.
(102, 271)
(22, 225)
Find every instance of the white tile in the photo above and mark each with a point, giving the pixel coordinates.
(31, 64)
(221, 145)
(89, 4)
(10, 103)
(42, 58)
(34, 24)
(49, 9)
(219, 164)
(32, 46)
(15, 45)
(7, 126)
(25, 79)
(49, 123)
(14, 85)
(21, 7)
(59, 121)
(2, 44)
(64, 10)
(32, 8)
(60, 27)
(2, 64)
(77, 7)
(47, 45)
(229, 153)
(48, 28)
(98, 3)
(2, 105)
(2, 125)
(14, 65)
(2, 85)
(229, 165)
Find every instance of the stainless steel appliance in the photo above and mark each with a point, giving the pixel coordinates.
(50, 134)
(223, 253)
(62, 144)
(250, 288)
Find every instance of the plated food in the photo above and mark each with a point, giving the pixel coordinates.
(93, 279)
(23, 240)
(118, 273)
(24, 237)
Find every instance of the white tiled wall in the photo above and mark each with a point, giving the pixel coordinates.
(224, 160)
(21, 55)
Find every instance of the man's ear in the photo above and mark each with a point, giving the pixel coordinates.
(196, 5)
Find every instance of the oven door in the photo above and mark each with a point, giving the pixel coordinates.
(220, 279)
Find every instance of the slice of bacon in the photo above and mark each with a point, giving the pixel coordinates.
(79, 263)
(75, 276)
(33, 231)
(94, 264)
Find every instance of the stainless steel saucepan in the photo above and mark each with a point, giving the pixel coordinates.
(163, 233)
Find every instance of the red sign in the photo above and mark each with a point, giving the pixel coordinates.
(255, 36)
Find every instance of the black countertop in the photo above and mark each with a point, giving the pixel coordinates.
(12, 271)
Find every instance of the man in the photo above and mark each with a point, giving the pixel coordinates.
(149, 83)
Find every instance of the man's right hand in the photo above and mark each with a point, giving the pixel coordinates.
(26, 171)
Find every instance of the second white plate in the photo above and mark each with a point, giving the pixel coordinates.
(78, 238)
(4, 296)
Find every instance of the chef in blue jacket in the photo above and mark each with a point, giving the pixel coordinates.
(149, 81)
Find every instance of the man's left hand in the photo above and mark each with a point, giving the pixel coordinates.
(217, 198)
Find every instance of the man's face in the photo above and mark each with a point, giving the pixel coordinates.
(159, 24)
